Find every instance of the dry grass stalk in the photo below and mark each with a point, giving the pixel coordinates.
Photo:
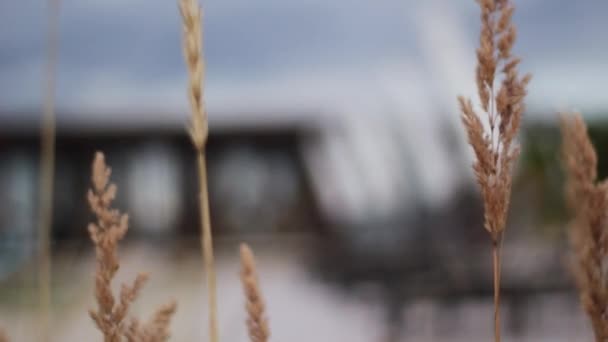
(192, 46)
(3, 336)
(588, 199)
(47, 172)
(110, 228)
(494, 145)
(257, 324)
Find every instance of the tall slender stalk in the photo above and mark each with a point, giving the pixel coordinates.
(192, 45)
(47, 174)
(207, 247)
(496, 271)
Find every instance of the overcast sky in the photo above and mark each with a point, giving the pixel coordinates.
(327, 55)
(372, 66)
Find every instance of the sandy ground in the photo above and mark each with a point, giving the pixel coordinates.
(300, 307)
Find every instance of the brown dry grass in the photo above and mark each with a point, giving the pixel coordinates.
(156, 329)
(192, 46)
(257, 323)
(47, 172)
(493, 143)
(588, 200)
(110, 227)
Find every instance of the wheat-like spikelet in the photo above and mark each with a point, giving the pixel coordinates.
(257, 324)
(494, 145)
(193, 42)
(110, 228)
(588, 200)
(192, 46)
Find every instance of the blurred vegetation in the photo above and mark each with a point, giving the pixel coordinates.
(541, 178)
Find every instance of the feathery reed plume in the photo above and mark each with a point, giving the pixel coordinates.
(494, 145)
(110, 228)
(588, 200)
(192, 46)
(257, 324)
(155, 330)
(47, 172)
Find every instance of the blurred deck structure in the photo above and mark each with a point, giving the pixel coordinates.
(301, 306)
(378, 264)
